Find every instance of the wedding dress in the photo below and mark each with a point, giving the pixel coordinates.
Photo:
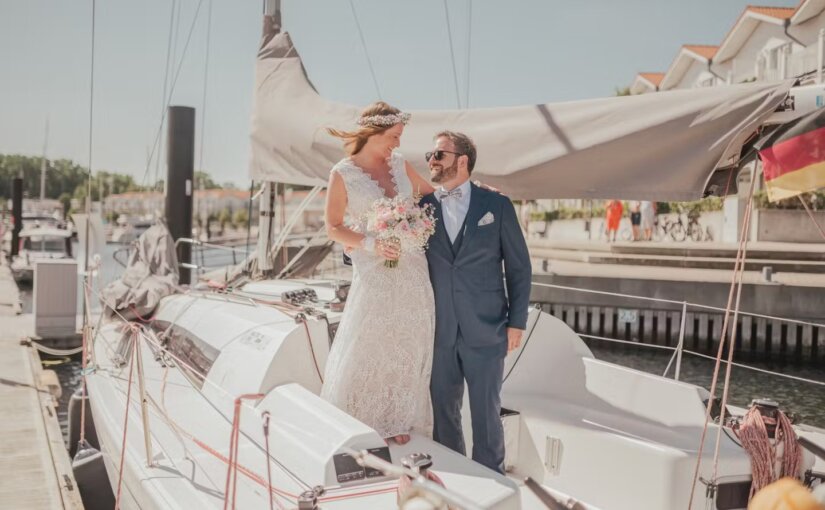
(378, 369)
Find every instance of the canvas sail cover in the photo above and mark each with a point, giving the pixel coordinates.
(678, 145)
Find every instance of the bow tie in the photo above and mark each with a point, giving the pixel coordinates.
(455, 193)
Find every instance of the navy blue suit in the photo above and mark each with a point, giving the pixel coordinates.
(472, 314)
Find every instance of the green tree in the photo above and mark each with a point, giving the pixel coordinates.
(204, 181)
(241, 218)
(225, 218)
(66, 201)
(622, 91)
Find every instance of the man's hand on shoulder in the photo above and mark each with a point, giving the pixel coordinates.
(487, 187)
(514, 336)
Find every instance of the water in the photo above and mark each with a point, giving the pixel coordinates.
(805, 400)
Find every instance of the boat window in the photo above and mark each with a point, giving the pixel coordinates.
(53, 244)
(188, 348)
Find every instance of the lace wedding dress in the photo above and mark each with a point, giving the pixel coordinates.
(379, 366)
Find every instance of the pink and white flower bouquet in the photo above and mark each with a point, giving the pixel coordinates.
(402, 221)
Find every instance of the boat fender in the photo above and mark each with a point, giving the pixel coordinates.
(92, 480)
(74, 424)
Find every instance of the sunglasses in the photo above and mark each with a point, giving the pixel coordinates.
(439, 155)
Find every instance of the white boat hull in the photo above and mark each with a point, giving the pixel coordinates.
(610, 436)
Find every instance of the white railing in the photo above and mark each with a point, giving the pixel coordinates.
(679, 350)
(803, 62)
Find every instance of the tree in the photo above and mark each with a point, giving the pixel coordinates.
(66, 201)
(241, 218)
(622, 91)
(225, 218)
(204, 181)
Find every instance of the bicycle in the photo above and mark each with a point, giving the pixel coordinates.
(664, 228)
(695, 231)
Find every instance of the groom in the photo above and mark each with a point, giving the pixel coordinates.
(476, 322)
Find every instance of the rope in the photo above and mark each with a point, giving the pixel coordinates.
(232, 470)
(140, 317)
(452, 52)
(366, 53)
(236, 466)
(753, 433)
(312, 351)
(738, 266)
(126, 419)
(57, 352)
(82, 439)
(732, 340)
(268, 464)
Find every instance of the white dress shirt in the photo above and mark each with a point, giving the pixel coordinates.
(454, 209)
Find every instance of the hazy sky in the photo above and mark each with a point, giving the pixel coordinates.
(520, 52)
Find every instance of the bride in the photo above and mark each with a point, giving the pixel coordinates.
(378, 369)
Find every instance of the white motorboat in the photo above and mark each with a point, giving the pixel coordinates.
(37, 244)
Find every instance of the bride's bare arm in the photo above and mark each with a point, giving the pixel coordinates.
(334, 212)
(420, 186)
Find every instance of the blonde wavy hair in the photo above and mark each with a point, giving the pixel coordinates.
(355, 140)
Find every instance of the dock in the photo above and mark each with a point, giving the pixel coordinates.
(37, 472)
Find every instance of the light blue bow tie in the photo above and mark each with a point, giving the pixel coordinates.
(455, 193)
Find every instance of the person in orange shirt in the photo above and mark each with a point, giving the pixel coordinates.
(612, 217)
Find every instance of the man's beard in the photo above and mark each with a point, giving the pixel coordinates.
(445, 174)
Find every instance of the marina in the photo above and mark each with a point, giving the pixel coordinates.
(607, 303)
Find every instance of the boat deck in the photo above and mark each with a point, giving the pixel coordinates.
(36, 469)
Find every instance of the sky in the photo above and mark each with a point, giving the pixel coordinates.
(502, 54)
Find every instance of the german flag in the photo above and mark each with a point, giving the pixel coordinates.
(793, 157)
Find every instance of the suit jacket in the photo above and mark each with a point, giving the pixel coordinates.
(468, 276)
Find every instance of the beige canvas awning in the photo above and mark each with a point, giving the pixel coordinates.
(659, 146)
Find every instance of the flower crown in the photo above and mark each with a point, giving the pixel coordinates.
(384, 120)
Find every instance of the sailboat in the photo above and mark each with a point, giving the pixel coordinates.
(212, 399)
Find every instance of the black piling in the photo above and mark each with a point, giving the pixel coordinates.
(16, 213)
(179, 180)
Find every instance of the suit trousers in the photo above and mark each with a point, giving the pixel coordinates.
(482, 368)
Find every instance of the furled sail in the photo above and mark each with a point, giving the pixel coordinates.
(678, 145)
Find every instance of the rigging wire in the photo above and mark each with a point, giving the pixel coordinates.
(469, 51)
(89, 176)
(197, 203)
(452, 53)
(366, 53)
(172, 89)
(165, 87)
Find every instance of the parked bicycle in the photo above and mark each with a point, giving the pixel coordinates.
(677, 230)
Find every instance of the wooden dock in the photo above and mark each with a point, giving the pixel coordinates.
(36, 468)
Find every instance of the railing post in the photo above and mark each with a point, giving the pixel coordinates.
(681, 343)
(147, 436)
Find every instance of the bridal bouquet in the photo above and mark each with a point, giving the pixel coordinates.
(402, 221)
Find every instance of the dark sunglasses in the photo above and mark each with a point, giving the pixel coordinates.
(439, 155)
